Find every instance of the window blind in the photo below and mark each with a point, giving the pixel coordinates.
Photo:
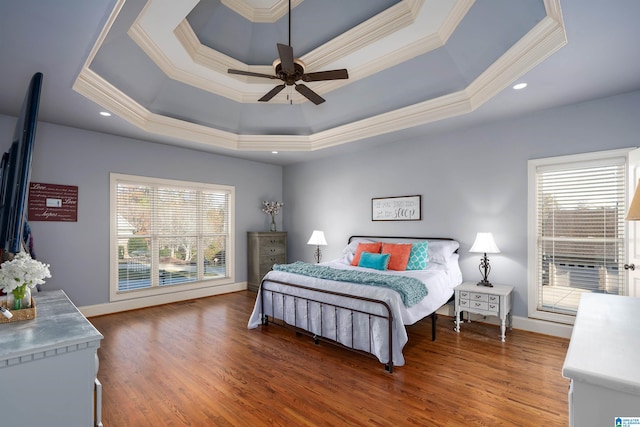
(170, 234)
(580, 212)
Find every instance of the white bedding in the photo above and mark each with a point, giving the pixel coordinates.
(440, 279)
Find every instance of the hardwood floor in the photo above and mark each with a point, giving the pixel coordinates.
(196, 364)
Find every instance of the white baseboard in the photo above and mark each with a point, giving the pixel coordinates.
(118, 306)
(523, 323)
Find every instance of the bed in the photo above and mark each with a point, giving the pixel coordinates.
(363, 317)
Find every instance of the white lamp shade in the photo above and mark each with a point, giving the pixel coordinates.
(317, 238)
(634, 210)
(485, 244)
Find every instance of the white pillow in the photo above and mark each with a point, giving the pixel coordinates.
(351, 247)
(440, 251)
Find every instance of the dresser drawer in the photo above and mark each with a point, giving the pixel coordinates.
(464, 295)
(268, 251)
(463, 303)
(495, 307)
(267, 263)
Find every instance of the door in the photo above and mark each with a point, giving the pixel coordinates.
(632, 266)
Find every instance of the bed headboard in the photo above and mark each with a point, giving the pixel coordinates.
(398, 239)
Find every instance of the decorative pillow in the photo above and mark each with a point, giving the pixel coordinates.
(440, 251)
(399, 255)
(366, 247)
(419, 255)
(377, 261)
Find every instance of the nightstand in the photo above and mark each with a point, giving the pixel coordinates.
(486, 301)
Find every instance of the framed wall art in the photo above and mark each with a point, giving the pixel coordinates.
(402, 208)
(52, 202)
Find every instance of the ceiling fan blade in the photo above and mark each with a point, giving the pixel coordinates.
(286, 58)
(273, 92)
(325, 75)
(249, 73)
(309, 94)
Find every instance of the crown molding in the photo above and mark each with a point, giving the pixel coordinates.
(271, 14)
(534, 47)
(374, 29)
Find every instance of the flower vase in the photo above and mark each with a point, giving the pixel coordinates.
(20, 299)
(272, 227)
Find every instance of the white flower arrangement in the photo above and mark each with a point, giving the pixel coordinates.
(271, 208)
(20, 272)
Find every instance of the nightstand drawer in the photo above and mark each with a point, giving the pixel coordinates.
(473, 296)
(479, 305)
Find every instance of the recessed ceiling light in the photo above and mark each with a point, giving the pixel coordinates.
(520, 86)
(274, 152)
(105, 113)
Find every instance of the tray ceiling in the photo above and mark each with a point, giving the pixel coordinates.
(161, 65)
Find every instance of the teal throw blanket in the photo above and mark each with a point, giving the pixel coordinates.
(411, 290)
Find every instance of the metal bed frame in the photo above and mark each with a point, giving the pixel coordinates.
(334, 308)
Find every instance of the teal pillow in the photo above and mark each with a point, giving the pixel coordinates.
(371, 260)
(418, 256)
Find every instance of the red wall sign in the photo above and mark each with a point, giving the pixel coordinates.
(51, 202)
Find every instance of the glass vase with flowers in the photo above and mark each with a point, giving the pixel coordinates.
(272, 208)
(18, 276)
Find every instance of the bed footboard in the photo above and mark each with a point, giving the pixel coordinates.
(332, 314)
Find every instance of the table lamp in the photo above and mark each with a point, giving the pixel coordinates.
(317, 238)
(486, 245)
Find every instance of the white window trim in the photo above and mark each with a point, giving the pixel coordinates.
(597, 157)
(114, 294)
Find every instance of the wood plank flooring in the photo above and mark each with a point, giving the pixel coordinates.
(196, 364)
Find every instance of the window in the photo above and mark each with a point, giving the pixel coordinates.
(576, 244)
(169, 236)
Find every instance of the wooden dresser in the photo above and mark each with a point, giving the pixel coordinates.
(264, 249)
(602, 362)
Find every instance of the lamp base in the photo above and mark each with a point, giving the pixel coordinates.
(484, 283)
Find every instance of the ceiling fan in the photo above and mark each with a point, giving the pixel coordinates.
(290, 70)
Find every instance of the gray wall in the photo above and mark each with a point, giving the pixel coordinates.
(79, 251)
(470, 180)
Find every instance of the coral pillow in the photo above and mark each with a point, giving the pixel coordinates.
(399, 252)
(366, 247)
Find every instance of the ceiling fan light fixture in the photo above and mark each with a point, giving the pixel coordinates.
(290, 69)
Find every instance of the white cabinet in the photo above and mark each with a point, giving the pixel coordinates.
(602, 361)
(48, 367)
(486, 301)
